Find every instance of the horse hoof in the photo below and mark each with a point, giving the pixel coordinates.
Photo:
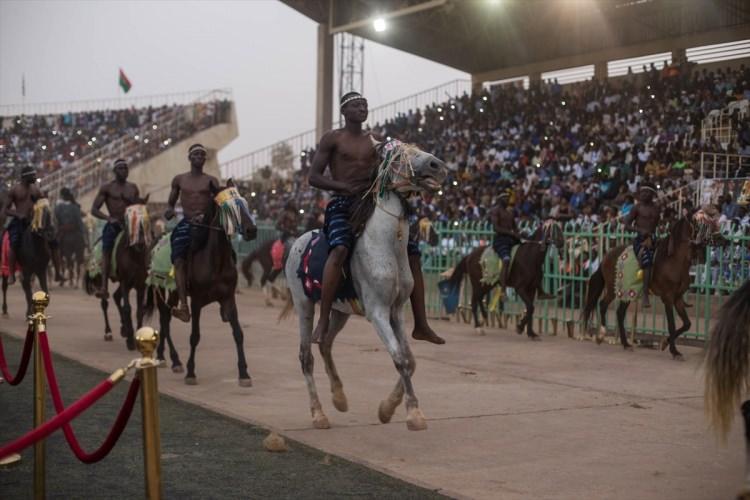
(320, 421)
(534, 337)
(161, 363)
(415, 420)
(678, 357)
(191, 381)
(108, 337)
(178, 369)
(246, 382)
(269, 303)
(664, 344)
(519, 331)
(130, 342)
(339, 401)
(385, 411)
(480, 331)
(628, 348)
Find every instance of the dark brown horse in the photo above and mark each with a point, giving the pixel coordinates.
(526, 273)
(727, 367)
(670, 280)
(34, 253)
(262, 255)
(164, 301)
(131, 258)
(212, 277)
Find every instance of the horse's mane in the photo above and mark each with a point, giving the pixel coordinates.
(380, 180)
(138, 225)
(41, 215)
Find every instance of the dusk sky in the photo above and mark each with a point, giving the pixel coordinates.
(262, 49)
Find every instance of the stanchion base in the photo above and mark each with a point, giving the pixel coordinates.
(10, 461)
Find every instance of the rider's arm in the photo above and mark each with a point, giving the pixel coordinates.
(174, 195)
(321, 160)
(630, 218)
(10, 200)
(214, 186)
(96, 207)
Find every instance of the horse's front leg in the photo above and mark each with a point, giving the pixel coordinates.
(127, 318)
(398, 348)
(744, 494)
(140, 296)
(195, 338)
(527, 296)
(165, 319)
(239, 338)
(26, 285)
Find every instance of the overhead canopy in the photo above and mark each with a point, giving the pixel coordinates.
(481, 36)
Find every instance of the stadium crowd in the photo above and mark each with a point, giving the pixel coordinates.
(576, 152)
(51, 142)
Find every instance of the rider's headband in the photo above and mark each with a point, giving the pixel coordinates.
(120, 163)
(649, 188)
(352, 96)
(197, 147)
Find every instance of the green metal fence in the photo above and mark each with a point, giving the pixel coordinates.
(567, 272)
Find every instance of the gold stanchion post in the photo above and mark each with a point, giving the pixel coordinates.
(40, 301)
(146, 338)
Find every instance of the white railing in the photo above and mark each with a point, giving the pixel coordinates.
(46, 108)
(244, 166)
(166, 128)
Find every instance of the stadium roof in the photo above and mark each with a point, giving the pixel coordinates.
(480, 36)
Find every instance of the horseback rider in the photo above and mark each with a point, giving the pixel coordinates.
(195, 190)
(644, 219)
(506, 237)
(69, 217)
(21, 197)
(350, 155)
(288, 224)
(117, 195)
(506, 233)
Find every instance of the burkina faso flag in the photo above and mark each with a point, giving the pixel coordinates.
(124, 82)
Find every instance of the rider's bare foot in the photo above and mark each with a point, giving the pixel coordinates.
(426, 333)
(182, 313)
(320, 332)
(102, 294)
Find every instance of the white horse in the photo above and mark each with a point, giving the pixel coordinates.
(382, 279)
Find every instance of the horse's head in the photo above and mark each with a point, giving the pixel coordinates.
(552, 233)
(234, 213)
(41, 219)
(405, 168)
(138, 224)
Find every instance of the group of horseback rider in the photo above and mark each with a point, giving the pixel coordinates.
(350, 155)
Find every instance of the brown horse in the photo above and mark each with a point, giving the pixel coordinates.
(212, 277)
(727, 367)
(263, 256)
(526, 273)
(670, 280)
(34, 253)
(164, 301)
(131, 258)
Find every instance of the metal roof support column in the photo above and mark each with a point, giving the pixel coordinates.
(600, 70)
(324, 95)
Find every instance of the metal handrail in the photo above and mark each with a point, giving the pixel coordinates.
(41, 108)
(244, 166)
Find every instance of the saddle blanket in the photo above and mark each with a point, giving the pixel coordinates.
(161, 270)
(94, 268)
(277, 254)
(5, 255)
(492, 265)
(310, 271)
(628, 276)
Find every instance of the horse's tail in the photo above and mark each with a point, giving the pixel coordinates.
(458, 272)
(593, 292)
(150, 305)
(288, 306)
(247, 266)
(726, 360)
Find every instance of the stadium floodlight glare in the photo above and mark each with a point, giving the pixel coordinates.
(253, 194)
(302, 210)
(273, 191)
(440, 192)
(379, 24)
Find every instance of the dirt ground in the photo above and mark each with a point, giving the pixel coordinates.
(508, 418)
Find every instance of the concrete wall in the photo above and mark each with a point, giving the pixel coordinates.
(154, 176)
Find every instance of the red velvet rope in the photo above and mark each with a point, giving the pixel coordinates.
(25, 356)
(122, 417)
(59, 420)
